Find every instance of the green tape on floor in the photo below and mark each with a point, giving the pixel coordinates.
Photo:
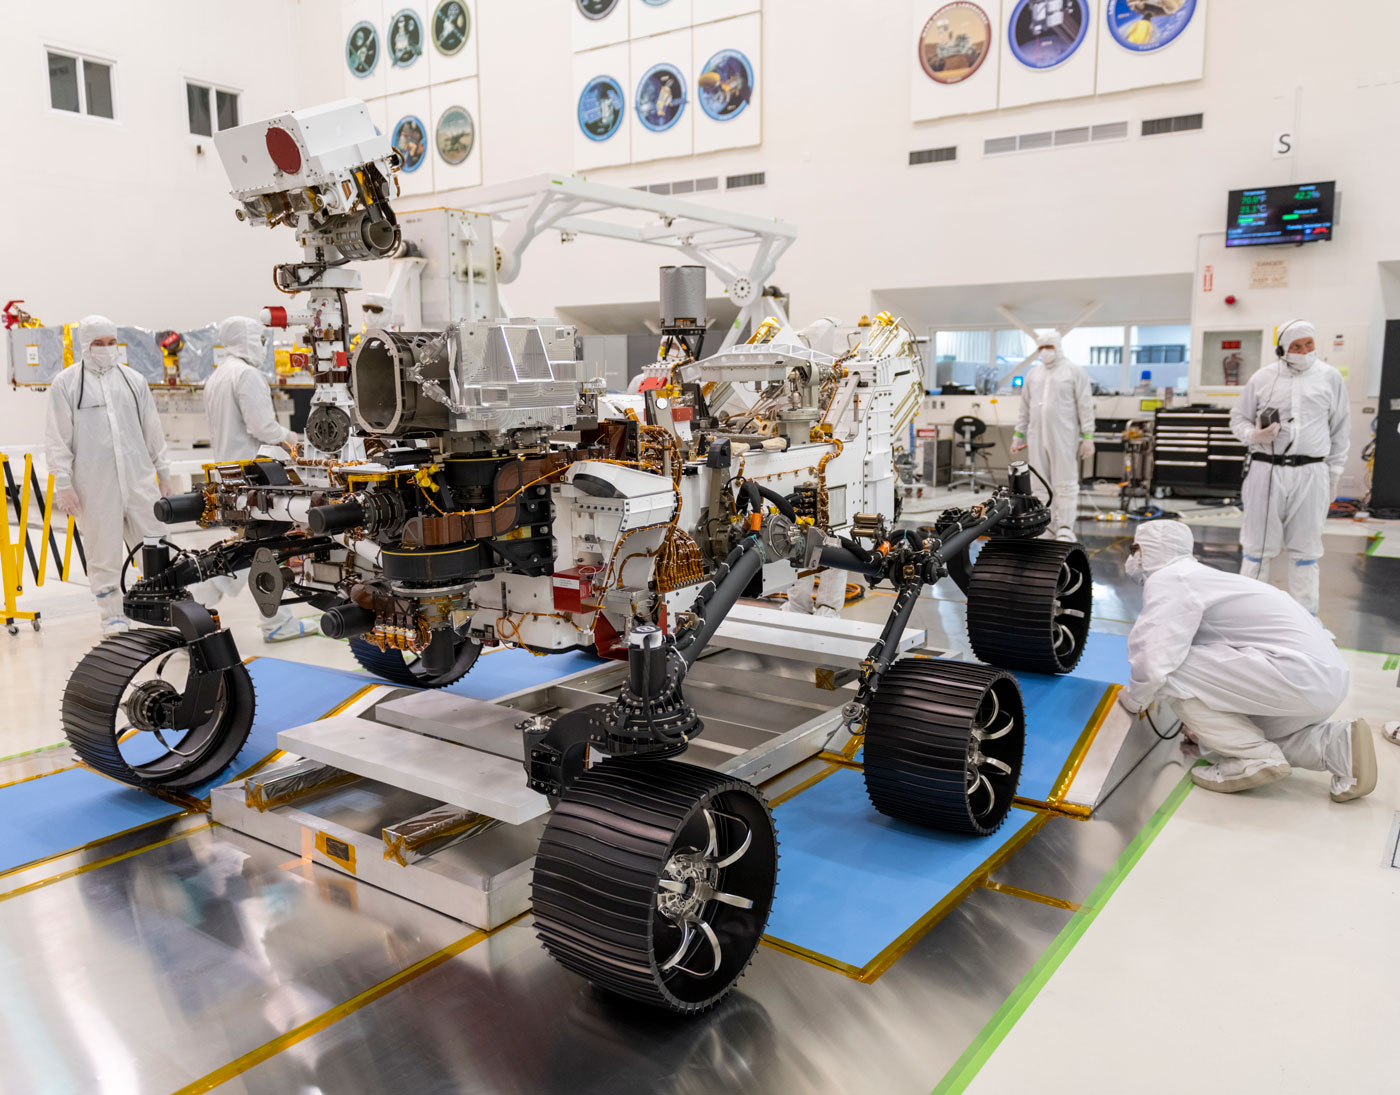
(1392, 661)
(976, 1055)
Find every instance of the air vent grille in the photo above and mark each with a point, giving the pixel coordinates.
(933, 155)
(684, 186)
(738, 182)
(1181, 123)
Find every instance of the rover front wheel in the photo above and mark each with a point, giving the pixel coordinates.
(1029, 603)
(121, 711)
(408, 670)
(943, 745)
(654, 880)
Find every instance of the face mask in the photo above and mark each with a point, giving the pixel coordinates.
(1049, 357)
(101, 358)
(1301, 362)
(1133, 568)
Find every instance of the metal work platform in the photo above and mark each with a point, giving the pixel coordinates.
(425, 795)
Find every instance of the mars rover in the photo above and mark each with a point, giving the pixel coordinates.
(497, 494)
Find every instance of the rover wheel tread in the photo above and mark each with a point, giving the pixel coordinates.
(92, 713)
(607, 864)
(407, 670)
(1028, 605)
(937, 737)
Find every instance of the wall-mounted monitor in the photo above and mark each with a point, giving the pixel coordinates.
(1300, 213)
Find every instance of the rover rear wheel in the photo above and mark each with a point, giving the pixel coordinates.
(943, 745)
(1028, 604)
(119, 707)
(654, 880)
(408, 670)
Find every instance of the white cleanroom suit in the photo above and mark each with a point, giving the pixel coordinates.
(237, 399)
(1057, 423)
(238, 404)
(1254, 677)
(1285, 505)
(106, 452)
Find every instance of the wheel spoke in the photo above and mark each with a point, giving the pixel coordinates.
(731, 899)
(712, 848)
(687, 936)
(671, 885)
(1070, 580)
(738, 853)
(1000, 765)
(709, 934)
(983, 735)
(992, 715)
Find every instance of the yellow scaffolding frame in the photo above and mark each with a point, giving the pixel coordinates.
(13, 551)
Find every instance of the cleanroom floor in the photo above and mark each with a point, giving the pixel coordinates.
(1225, 943)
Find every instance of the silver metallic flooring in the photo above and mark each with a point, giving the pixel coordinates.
(212, 962)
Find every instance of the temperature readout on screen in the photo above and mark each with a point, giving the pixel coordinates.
(1300, 213)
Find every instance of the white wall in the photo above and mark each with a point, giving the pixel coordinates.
(127, 217)
(128, 220)
(837, 135)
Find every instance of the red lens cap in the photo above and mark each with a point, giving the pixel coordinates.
(282, 147)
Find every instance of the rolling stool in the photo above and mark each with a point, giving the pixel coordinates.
(968, 428)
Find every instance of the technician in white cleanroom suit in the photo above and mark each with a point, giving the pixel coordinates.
(238, 404)
(1057, 423)
(1296, 463)
(1252, 676)
(106, 452)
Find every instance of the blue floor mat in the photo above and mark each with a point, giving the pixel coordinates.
(1058, 708)
(58, 813)
(1105, 658)
(854, 881)
(502, 672)
(66, 810)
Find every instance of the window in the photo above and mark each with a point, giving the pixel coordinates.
(227, 113)
(80, 85)
(1100, 351)
(204, 114)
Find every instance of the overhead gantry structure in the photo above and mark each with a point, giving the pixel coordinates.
(742, 251)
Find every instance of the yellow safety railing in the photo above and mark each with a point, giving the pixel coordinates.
(15, 549)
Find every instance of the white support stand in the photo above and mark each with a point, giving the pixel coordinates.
(770, 689)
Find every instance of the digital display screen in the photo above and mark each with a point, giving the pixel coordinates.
(1301, 213)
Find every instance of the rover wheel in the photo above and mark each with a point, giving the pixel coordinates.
(408, 670)
(118, 707)
(654, 880)
(1028, 604)
(943, 744)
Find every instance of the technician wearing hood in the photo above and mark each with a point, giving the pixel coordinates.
(237, 399)
(1296, 460)
(106, 452)
(1253, 677)
(238, 404)
(1057, 423)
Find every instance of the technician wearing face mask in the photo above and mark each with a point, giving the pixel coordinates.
(237, 399)
(1057, 424)
(106, 452)
(238, 404)
(1294, 417)
(1253, 677)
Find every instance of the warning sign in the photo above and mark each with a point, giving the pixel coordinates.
(1269, 274)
